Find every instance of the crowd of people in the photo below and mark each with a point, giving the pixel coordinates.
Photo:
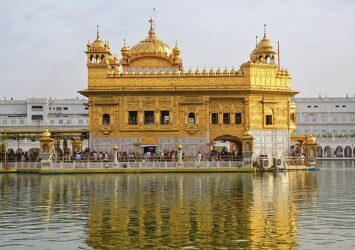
(87, 155)
(20, 156)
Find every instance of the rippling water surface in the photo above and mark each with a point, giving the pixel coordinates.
(289, 210)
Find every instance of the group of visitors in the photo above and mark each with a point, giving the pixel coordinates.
(124, 156)
(20, 156)
(225, 155)
(163, 156)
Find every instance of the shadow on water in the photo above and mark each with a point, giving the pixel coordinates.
(130, 211)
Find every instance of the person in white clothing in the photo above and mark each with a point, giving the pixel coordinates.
(199, 156)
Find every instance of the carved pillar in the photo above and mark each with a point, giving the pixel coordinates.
(246, 117)
(157, 117)
(140, 117)
(91, 114)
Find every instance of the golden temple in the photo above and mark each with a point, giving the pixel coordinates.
(147, 101)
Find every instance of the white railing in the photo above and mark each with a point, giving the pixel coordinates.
(22, 165)
(124, 165)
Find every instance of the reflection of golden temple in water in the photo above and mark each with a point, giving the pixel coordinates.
(175, 210)
(187, 210)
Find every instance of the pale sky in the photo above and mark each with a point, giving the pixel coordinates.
(43, 41)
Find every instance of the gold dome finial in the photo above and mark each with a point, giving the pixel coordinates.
(97, 33)
(256, 41)
(151, 29)
(264, 30)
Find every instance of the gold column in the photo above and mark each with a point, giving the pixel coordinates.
(246, 116)
(157, 117)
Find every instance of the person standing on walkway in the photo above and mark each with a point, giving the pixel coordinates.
(199, 156)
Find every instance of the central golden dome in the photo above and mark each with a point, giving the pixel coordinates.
(151, 45)
(150, 53)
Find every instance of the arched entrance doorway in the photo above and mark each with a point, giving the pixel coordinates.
(338, 152)
(226, 147)
(319, 151)
(347, 151)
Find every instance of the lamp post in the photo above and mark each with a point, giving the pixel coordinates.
(115, 156)
(179, 154)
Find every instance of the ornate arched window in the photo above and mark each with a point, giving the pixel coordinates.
(191, 118)
(106, 119)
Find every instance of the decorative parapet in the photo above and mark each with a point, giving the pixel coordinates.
(174, 72)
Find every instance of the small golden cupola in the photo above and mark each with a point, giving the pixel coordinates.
(46, 134)
(98, 50)
(151, 53)
(264, 52)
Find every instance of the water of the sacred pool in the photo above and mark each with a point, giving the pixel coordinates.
(284, 210)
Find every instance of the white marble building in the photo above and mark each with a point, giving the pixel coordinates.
(332, 120)
(34, 113)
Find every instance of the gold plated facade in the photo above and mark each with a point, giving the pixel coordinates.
(146, 98)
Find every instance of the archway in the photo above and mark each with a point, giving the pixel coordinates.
(338, 152)
(319, 151)
(226, 147)
(347, 151)
(327, 152)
